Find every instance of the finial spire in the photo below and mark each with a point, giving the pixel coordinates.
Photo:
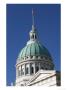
(32, 19)
(32, 33)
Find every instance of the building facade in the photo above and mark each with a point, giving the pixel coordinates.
(34, 64)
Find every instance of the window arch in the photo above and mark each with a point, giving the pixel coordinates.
(31, 57)
(32, 36)
(42, 68)
(37, 68)
(22, 85)
(27, 69)
(32, 70)
(46, 67)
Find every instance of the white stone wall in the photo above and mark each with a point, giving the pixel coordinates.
(46, 78)
(43, 77)
(49, 82)
(23, 80)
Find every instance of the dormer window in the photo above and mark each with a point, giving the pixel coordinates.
(31, 57)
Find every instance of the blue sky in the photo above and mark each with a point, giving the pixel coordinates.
(19, 23)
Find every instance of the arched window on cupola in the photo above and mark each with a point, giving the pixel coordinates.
(35, 36)
(32, 37)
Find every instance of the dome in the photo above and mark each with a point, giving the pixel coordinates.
(33, 49)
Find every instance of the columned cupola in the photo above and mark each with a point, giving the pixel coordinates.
(33, 34)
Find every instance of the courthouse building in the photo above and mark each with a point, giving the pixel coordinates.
(35, 65)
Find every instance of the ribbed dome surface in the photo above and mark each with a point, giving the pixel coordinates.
(33, 49)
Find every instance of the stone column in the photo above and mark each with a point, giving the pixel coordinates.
(20, 70)
(16, 72)
(30, 68)
(24, 69)
(34, 69)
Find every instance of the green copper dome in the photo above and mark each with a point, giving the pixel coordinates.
(33, 49)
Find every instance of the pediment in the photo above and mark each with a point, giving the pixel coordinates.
(41, 75)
